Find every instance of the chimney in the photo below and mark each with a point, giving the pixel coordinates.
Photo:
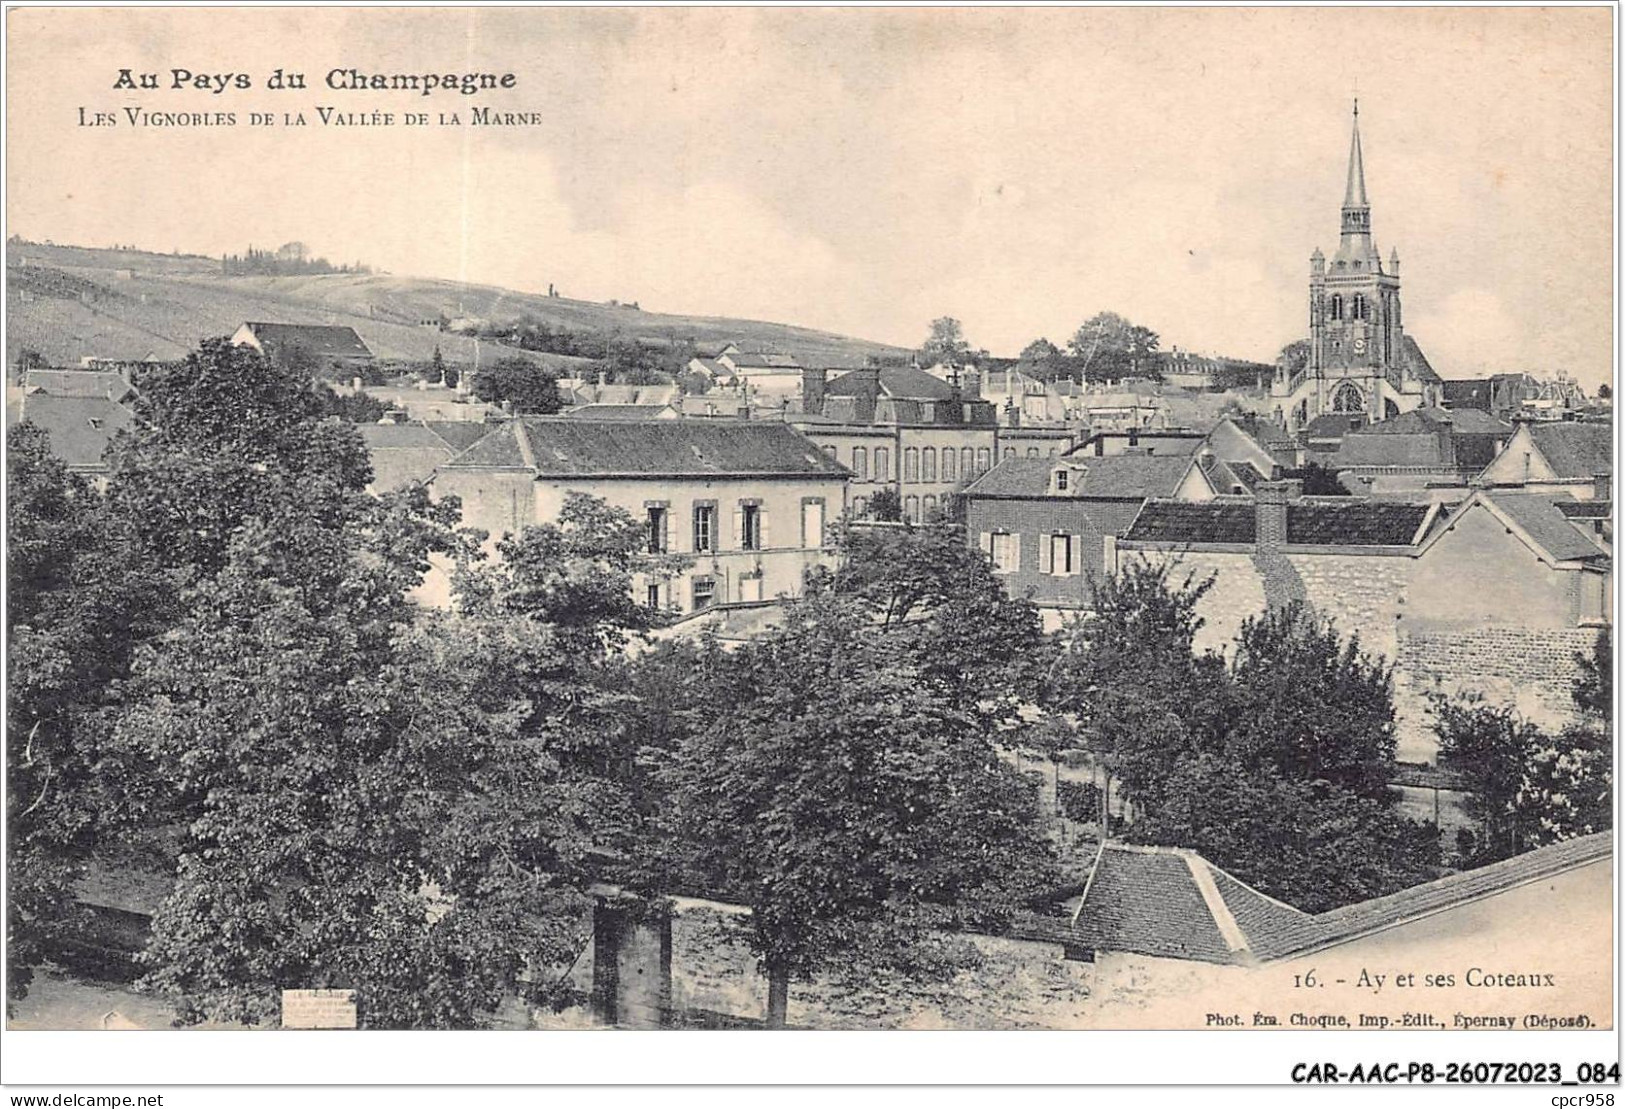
(812, 391)
(972, 384)
(1604, 486)
(1270, 499)
(744, 411)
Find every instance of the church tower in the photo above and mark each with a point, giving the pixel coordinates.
(1355, 332)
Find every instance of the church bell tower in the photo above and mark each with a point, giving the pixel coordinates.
(1355, 331)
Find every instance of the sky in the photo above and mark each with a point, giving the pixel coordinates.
(865, 171)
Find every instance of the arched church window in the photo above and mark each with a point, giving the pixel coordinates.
(1348, 398)
(1358, 310)
(1337, 307)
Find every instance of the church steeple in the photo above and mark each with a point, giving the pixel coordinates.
(1356, 208)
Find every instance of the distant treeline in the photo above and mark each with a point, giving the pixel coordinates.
(286, 261)
(619, 358)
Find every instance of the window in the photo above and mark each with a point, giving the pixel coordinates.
(1032, 452)
(705, 527)
(860, 463)
(882, 464)
(1009, 452)
(653, 599)
(750, 527)
(1337, 302)
(928, 464)
(984, 460)
(1061, 479)
(705, 592)
(911, 509)
(1061, 557)
(928, 507)
(1005, 550)
(812, 522)
(829, 453)
(911, 464)
(659, 542)
(967, 462)
(950, 467)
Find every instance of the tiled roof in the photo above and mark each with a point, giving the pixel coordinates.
(77, 383)
(764, 360)
(1545, 523)
(1344, 521)
(319, 340)
(555, 445)
(79, 428)
(1333, 521)
(1466, 394)
(1147, 901)
(1014, 477)
(1175, 904)
(1417, 362)
(1576, 450)
(1332, 425)
(1180, 522)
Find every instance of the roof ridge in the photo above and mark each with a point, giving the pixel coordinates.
(1223, 918)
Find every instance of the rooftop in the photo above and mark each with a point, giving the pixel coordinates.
(1173, 903)
(564, 446)
(79, 428)
(1578, 451)
(1326, 521)
(320, 340)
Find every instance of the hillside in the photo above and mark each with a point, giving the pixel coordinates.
(68, 302)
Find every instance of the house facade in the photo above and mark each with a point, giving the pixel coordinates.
(1556, 457)
(1495, 595)
(750, 505)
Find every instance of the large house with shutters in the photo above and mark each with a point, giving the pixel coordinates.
(748, 504)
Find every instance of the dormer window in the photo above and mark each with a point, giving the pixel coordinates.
(1061, 481)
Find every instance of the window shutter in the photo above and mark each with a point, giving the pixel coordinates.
(739, 527)
(1015, 551)
(665, 530)
(1077, 554)
(1046, 554)
(761, 527)
(987, 543)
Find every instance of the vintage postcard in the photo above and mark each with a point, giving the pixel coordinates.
(979, 519)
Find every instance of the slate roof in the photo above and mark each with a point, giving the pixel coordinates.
(898, 382)
(78, 383)
(1543, 520)
(1466, 394)
(1130, 476)
(79, 428)
(763, 360)
(1332, 425)
(1329, 521)
(1014, 477)
(617, 411)
(460, 434)
(403, 454)
(320, 340)
(1175, 904)
(1417, 362)
(1586, 510)
(1577, 451)
(1368, 447)
(561, 446)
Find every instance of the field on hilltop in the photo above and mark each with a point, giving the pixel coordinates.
(69, 302)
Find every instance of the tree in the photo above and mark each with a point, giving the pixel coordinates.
(1312, 845)
(1490, 746)
(1141, 622)
(934, 599)
(1605, 391)
(886, 505)
(1309, 705)
(1112, 348)
(1040, 351)
(437, 367)
(854, 810)
(1319, 481)
(945, 343)
(530, 389)
(1594, 684)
